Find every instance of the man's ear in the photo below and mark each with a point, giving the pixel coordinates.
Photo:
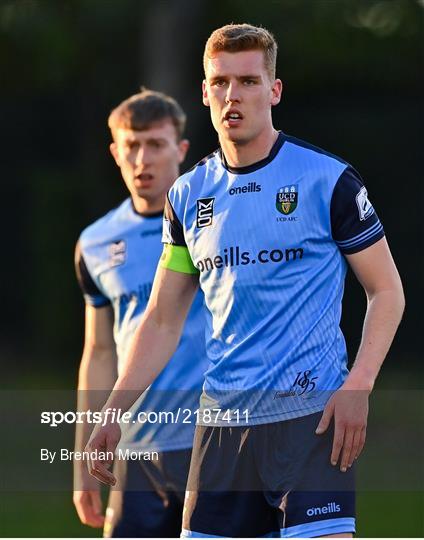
(114, 151)
(276, 91)
(183, 147)
(205, 94)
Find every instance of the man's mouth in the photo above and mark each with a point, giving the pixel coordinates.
(232, 118)
(143, 178)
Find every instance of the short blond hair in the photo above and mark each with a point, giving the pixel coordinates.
(243, 37)
(141, 110)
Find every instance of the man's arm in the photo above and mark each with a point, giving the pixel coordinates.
(153, 344)
(376, 271)
(97, 375)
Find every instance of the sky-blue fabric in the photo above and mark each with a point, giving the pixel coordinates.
(273, 338)
(121, 252)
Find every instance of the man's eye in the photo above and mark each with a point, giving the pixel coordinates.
(249, 82)
(219, 82)
(155, 144)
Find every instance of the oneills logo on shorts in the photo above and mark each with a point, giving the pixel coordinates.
(330, 508)
(204, 215)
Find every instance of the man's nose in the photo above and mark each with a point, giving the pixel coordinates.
(142, 156)
(233, 94)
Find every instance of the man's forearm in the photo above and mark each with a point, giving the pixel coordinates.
(97, 375)
(384, 313)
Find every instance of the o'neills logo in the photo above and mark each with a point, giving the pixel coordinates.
(331, 508)
(252, 187)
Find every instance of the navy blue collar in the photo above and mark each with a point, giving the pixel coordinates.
(142, 214)
(259, 164)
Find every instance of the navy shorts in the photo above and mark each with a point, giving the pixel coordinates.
(267, 480)
(149, 501)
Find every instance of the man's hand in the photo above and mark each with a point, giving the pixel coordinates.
(350, 411)
(103, 439)
(86, 497)
(89, 507)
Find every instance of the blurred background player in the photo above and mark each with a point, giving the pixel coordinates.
(268, 225)
(116, 260)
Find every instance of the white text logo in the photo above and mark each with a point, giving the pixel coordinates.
(331, 508)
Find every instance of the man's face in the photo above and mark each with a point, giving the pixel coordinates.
(240, 94)
(149, 160)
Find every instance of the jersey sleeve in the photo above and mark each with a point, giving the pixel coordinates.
(175, 255)
(92, 294)
(354, 222)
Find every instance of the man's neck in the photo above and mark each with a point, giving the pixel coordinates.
(147, 208)
(245, 154)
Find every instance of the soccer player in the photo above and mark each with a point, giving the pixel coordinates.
(116, 260)
(268, 225)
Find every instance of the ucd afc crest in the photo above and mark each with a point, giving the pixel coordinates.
(286, 200)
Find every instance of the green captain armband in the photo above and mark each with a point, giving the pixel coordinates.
(177, 258)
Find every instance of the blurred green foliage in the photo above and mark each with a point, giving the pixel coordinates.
(353, 74)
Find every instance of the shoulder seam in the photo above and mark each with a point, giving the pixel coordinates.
(202, 162)
(97, 222)
(317, 149)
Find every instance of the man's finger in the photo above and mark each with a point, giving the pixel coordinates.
(325, 419)
(91, 518)
(98, 516)
(96, 467)
(99, 471)
(347, 449)
(355, 447)
(86, 511)
(97, 503)
(82, 513)
(101, 477)
(337, 443)
(362, 439)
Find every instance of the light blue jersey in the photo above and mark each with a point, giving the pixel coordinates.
(116, 261)
(268, 242)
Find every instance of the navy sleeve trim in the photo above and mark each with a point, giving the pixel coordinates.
(364, 243)
(354, 222)
(92, 295)
(174, 234)
(361, 238)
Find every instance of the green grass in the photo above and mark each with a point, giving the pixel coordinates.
(41, 515)
(395, 515)
(380, 514)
